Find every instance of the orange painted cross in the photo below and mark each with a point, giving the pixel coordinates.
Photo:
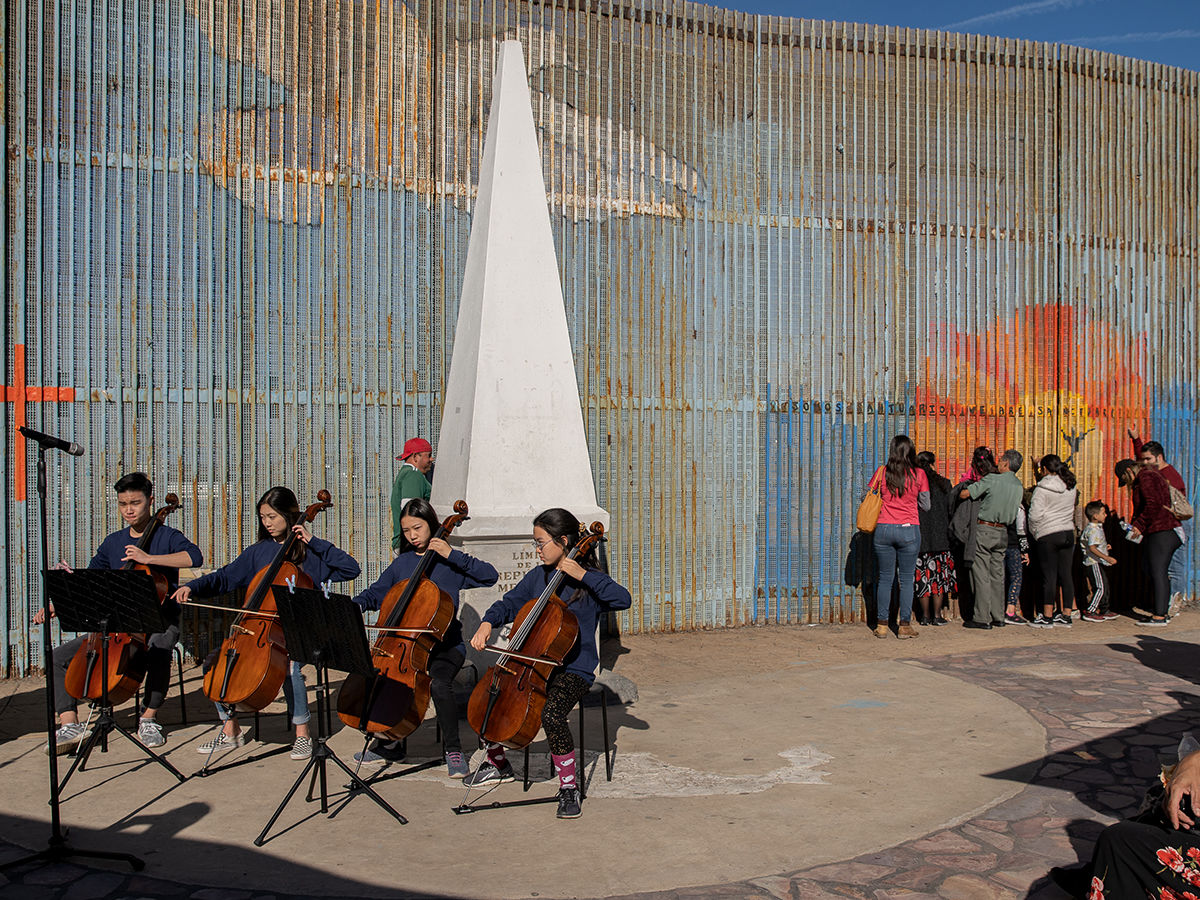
(18, 394)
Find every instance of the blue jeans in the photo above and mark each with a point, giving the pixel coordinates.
(896, 548)
(293, 692)
(1177, 571)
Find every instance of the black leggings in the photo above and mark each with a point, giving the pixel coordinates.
(443, 666)
(1054, 553)
(1157, 549)
(564, 690)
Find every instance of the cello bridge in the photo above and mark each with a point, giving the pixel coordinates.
(242, 630)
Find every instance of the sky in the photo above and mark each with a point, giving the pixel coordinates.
(1165, 31)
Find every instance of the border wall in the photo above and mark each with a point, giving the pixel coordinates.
(234, 235)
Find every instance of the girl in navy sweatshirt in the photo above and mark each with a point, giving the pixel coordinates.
(320, 559)
(588, 592)
(452, 571)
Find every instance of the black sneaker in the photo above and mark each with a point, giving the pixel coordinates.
(392, 751)
(489, 774)
(568, 804)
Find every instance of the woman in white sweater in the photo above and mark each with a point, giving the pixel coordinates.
(1051, 523)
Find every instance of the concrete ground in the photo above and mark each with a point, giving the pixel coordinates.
(788, 762)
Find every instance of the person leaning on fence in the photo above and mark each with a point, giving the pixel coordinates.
(1053, 507)
(1151, 453)
(963, 524)
(999, 495)
(1155, 526)
(905, 490)
(935, 578)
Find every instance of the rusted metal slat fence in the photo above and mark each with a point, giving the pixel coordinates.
(235, 232)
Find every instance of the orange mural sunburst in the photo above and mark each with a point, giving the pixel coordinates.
(1051, 380)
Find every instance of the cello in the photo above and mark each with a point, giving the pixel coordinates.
(506, 705)
(413, 618)
(126, 652)
(253, 662)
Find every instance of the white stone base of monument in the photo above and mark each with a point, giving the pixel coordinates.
(512, 557)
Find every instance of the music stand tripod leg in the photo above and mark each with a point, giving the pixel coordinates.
(367, 789)
(116, 726)
(262, 836)
(106, 723)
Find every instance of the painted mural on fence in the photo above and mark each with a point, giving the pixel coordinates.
(1035, 384)
(1048, 380)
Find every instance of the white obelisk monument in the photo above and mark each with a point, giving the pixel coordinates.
(512, 441)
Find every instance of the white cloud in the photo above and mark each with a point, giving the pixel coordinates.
(1020, 10)
(1137, 37)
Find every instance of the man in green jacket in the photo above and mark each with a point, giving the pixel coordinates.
(1000, 495)
(410, 482)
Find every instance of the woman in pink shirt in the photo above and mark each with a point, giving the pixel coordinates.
(905, 489)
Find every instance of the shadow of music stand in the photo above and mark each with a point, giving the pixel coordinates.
(324, 631)
(107, 601)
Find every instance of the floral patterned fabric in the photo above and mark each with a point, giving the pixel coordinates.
(1142, 858)
(935, 574)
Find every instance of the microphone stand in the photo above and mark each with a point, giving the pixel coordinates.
(57, 849)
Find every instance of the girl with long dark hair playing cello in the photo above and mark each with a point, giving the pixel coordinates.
(278, 515)
(452, 571)
(588, 592)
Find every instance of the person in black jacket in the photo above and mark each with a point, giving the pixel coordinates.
(935, 578)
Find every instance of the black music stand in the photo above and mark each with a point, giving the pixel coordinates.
(107, 601)
(57, 848)
(324, 631)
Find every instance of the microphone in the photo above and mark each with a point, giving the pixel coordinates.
(54, 443)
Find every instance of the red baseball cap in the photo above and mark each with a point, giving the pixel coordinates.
(415, 445)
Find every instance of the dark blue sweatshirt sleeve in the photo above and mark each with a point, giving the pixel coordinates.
(340, 564)
(476, 572)
(238, 573)
(372, 597)
(607, 592)
(178, 542)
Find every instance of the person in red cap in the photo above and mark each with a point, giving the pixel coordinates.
(410, 482)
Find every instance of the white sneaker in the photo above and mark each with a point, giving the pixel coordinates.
(68, 738)
(1176, 603)
(150, 733)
